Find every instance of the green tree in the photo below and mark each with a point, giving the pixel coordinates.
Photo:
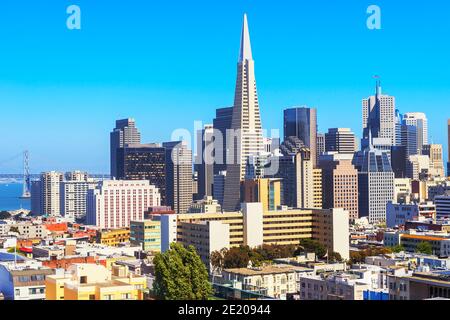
(309, 245)
(4, 215)
(398, 248)
(424, 247)
(237, 257)
(335, 257)
(217, 259)
(181, 275)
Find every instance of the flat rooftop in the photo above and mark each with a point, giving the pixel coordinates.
(262, 271)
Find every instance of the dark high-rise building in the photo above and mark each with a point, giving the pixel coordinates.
(221, 123)
(340, 140)
(123, 134)
(320, 144)
(409, 139)
(143, 162)
(399, 160)
(295, 168)
(302, 123)
(178, 176)
(204, 162)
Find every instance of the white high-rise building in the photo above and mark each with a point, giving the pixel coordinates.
(420, 121)
(246, 129)
(114, 203)
(50, 192)
(378, 117)
(73, 195)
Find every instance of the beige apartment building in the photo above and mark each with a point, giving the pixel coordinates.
(272, 281)
(333, 287)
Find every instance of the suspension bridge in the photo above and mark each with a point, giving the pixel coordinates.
(25, 176)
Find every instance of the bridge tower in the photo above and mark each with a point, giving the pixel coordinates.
(26, 194)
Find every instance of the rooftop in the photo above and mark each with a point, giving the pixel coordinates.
(262, 271)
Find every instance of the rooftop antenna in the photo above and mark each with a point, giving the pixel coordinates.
(378, 85)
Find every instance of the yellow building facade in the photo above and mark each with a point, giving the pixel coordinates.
(95, 282)
(113, 237)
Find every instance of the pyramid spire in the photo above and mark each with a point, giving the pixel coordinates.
(246, 48)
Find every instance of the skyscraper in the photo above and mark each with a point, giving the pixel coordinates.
(50, 192)
(297, 174)
(143, 162)
(221, 123)
(398, 127)
(246, 137)
(320, 144)
(123, 134)
(375, 183)
(340, 140)
(301, 122)
(409, 139)
(378, 118)
(73, 196)
(219, 186)
(339, 183)
(420, 122)
(204, 161)
(178, 176)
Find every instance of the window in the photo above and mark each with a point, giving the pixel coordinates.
(83, 279)
(126, 296)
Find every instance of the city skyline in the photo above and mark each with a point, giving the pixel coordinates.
(89, 100)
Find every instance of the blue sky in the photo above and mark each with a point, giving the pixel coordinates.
(169, 63)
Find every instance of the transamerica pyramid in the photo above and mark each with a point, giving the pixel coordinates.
(245, 137)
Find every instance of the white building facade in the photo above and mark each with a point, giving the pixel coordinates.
(114, 203)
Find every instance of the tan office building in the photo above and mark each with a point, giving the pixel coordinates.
(339, 183)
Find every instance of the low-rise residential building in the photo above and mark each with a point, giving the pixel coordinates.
(95, 282)
(23, 279)
(29, 230)
(440, 242)
(420, 286)
(113, 237)
(399, 214)
(4, 228)
(272, 281)
(337, 286)
(54, 252)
